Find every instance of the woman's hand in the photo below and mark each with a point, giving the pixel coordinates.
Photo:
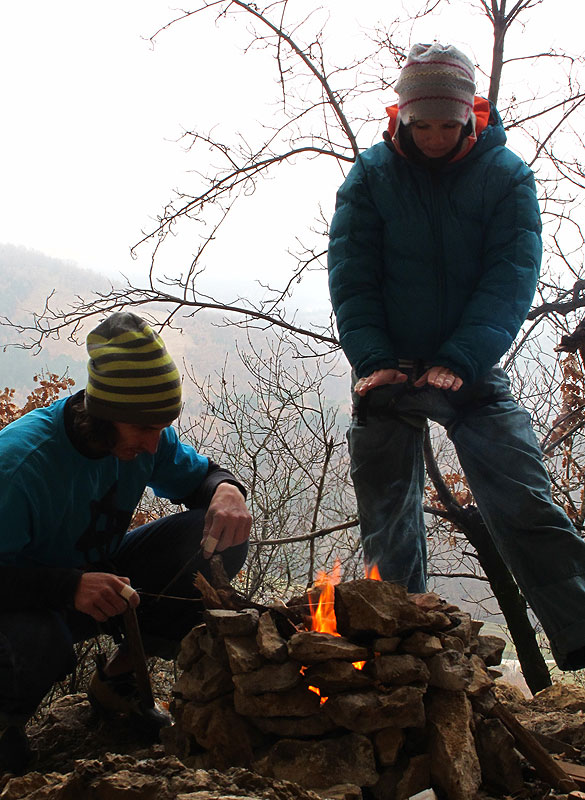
(440, 378)
(381, 377)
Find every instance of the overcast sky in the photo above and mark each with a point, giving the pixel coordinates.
(91, 110)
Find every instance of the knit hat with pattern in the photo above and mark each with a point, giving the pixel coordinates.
(131, 377)
(436, 82)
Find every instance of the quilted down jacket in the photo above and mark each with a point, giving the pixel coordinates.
(435, 265)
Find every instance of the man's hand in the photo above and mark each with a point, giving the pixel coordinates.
(440, 378)
(99, 595)
(227, 522)
(381, 377)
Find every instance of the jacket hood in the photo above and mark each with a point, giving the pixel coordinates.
(484, 115)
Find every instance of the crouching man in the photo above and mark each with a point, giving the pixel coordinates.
(71, 476)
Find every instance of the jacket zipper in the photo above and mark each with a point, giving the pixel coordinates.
(439, 259)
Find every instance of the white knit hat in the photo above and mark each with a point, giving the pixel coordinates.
(436, 82)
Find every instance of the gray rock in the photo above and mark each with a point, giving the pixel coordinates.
(269, 678)
(490, 649)
(501, 767)
(450, 670)
(312, 647)
(206, 680)
(368, 712)
(321, 763)
(270, 643)
(397, 669)
(299, 702)
(243, 654)
(454, 761)
(223, 622)
(376, 608)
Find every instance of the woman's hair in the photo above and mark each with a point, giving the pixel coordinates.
(94, 434)
(411, 150)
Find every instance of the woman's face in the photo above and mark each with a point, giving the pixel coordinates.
(436, 137)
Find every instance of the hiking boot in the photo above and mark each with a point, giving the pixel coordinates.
(118, 694)
(15, 752)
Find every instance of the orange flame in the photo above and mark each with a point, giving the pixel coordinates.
(373, 573)
(323, 615)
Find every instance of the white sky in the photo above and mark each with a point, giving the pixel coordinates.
(90, 112)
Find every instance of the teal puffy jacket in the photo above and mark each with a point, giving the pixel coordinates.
(439, 266)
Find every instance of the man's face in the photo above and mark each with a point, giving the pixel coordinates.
(436, 137)
(135, 439)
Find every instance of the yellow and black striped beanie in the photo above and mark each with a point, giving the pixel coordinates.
(131, 377)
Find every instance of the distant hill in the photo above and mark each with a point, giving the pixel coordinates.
(28, 278)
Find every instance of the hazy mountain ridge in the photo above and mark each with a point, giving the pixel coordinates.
(201, 344)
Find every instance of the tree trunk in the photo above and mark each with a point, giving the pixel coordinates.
(469, 521)
(499, 22)
(510, 600)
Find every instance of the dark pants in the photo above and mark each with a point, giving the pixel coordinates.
(36, 647)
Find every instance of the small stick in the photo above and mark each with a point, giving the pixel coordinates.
(136, 649)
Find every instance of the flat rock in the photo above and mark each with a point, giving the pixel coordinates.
(421, 644)
(428, 601)
(299, 702)
(222, 622)
(367, 712)
(332, 677)
(388, 644)
(321, 763)
(269, 678)
(295, 727)
(397, 669)
(375, 608)
(313, 647)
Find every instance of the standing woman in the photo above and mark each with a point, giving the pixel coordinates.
(434, 257)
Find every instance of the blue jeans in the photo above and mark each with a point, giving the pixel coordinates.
(36, 647)
(502, 461)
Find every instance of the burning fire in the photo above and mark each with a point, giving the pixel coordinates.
(323, 614)
(373, 573)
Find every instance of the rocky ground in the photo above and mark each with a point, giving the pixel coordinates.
(78, 756)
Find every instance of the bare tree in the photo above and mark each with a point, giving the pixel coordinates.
(282, 437)
(322, 115)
